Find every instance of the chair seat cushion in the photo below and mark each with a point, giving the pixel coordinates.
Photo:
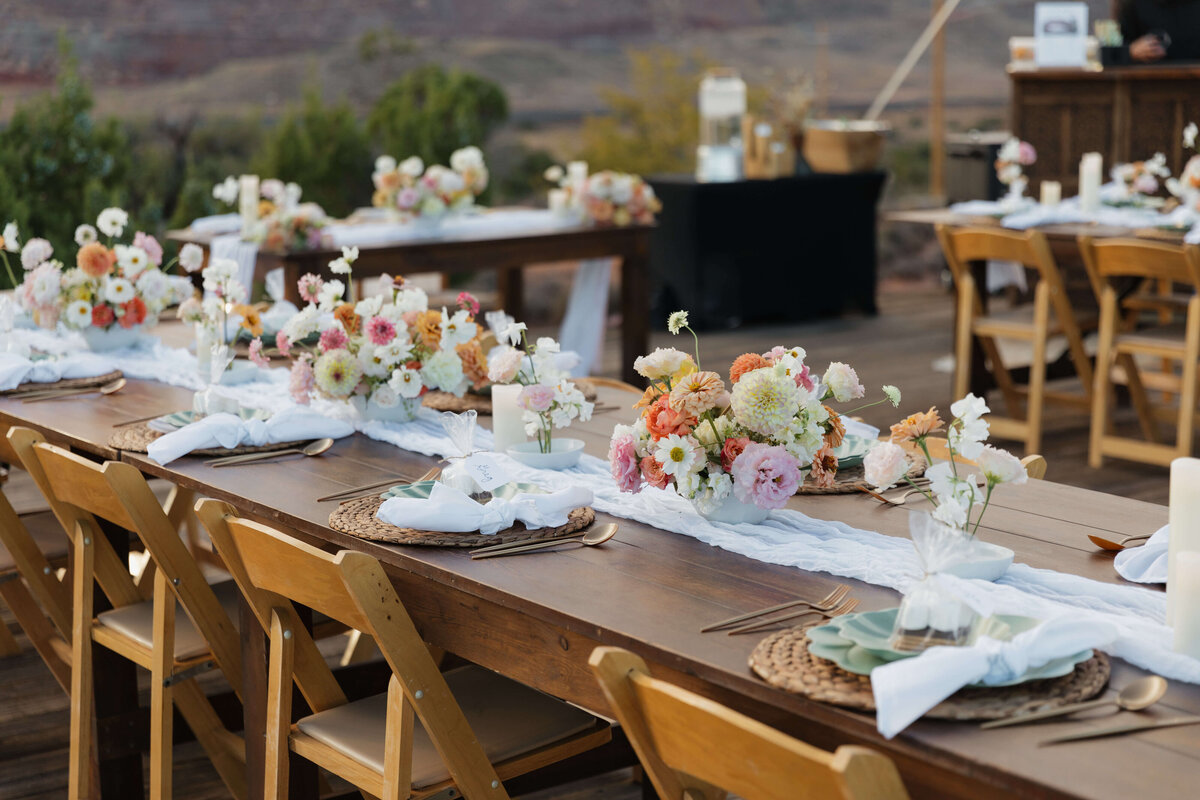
(46, 533)
(136, 622)
(508, 719)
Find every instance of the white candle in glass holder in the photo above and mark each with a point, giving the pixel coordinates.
(507, 426)
(1184, 518)
(1051, 193)
(248, 202)
(1091, 167)
(559, 201)
(1186, 580)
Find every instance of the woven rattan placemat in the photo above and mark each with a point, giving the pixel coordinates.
(136, 438)
(357, 518)
(783, 660)
(69, 383)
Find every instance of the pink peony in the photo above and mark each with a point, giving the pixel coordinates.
(333, 339)
(765, 475)
(151, 246)
(310, 287)
(380, 330)
(302, 381)
(467, 302)
(256, 354)
(537, 398)
(623, 461)
(283, 343)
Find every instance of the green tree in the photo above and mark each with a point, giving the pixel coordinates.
(324, 149)
(431, 113)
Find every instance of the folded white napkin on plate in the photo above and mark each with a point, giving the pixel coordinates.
(450, 510)
(218, 223)
(15, 369)
(229, 430)
(904, 690)
(1148, 563)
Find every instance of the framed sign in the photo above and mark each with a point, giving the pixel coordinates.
(1060, 34)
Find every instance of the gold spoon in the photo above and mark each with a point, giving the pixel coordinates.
(1109, 544)
(313, 448)
(598, 535)
(1139, 695)
(108, 388)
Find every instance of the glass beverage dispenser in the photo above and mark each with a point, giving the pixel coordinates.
(722, 105)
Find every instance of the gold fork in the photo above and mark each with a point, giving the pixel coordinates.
(757, 626)
(826, 603)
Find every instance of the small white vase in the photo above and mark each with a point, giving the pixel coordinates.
(984, 562)
(101, 340)
(564, 453)
(734, 511)
(405, 410)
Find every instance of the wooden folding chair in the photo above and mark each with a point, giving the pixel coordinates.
(695, 749)
(1034, 325)
(148, 632)
(431, 733)
(1035, 465)
(1109, 262)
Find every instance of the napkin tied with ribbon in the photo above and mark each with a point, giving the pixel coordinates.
(904, 690)
(16, 369)
(229, 430)
(1148, 563)
(451, 511)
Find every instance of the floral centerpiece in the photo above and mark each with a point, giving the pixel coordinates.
(549, 400)
(273, 194)
(1011, 159)
(382, 353)
(292, 229)
(619, 199)
(737, 453)
(1139, 180)
(225, 303)
(414, 191)
(112, 290)
(1187, 186)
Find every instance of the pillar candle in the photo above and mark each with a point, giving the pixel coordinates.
(1186, 585)
(1184, 518)
(248, 203)
(559, 201)
(1051, 193)
(1090, 168)
(507, 426)
(577, 175)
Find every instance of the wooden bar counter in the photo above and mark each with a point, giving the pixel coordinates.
(1125, 113)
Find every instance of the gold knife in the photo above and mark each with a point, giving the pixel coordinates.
(1115, 730)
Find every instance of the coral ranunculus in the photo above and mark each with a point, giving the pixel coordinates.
(652, 471)
(732, 448)
(95, 259)
(475, 363)
(103, 316)
(134, 313)
(747, 362)
(662, 420)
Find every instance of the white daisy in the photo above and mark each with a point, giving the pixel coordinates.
(677, 454)
(457, 329)
(406, 382)
(79, 314)
(112, 221)
(118, 291)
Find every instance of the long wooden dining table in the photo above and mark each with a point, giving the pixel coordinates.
(537, 617)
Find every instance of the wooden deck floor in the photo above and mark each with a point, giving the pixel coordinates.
(899, 346)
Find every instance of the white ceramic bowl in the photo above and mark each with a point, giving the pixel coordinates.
(987, 563)
(563, 453)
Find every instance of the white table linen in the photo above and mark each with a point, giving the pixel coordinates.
(450, 510)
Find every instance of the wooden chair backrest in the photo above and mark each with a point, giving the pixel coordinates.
(689, 744)
(119, 493)
(353, 588)
(7, 454)
(1137, 258)
(1030, 248)
(1035, 465)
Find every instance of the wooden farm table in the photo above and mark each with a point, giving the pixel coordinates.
(537, 618)
(466, 251)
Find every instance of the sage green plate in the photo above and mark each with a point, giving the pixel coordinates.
(852, 450)
(421, 490)
(182, 418)
(831, 642)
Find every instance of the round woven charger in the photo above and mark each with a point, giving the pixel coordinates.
(848, 481)
(136, 438)
(69, 383)
(357, 518)
(482, 403)
(783, 660)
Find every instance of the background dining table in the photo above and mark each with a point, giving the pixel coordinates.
(537, 617)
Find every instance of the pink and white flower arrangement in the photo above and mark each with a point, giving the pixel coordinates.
(292, 229)
(413, 190)
(1011, 159)
(1138, 180)
(955, 491)
(750, 439)
(619, 199)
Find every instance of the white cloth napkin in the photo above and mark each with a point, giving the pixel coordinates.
(218, 223)
(904, 690)
(228, 430)
(1148, 563)
(448, 509)
(15, 369)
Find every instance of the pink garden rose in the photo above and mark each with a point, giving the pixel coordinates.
(623, 460)
(765, 475)
(537, 398)
(503, 367)
(148, 243)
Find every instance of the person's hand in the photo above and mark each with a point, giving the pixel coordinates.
(1147, 48)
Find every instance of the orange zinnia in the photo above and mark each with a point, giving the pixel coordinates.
(95, 259)
(837, 429)
(747, 362)
(345, 315)
(429, 328)
(823, 468)
(917, 425)
(474, 362)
